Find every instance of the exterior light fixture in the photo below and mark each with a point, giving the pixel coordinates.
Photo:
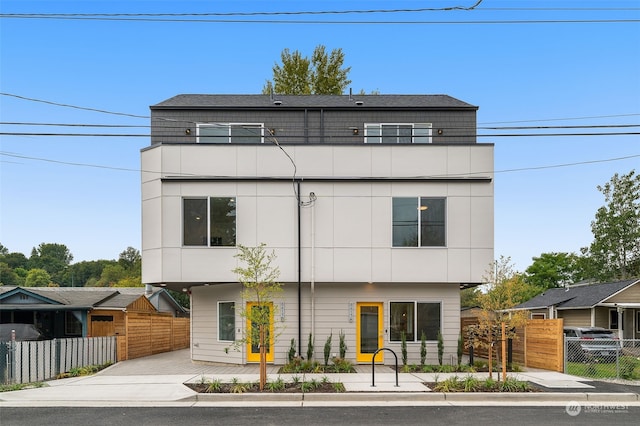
(355, 131)
(423, 208)
(187, 132)
(440, 131)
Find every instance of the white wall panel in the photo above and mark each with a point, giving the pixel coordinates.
(458, 222)
(352, 222)
(351, 161)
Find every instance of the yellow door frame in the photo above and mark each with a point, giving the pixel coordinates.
(367, 357)
(255, 356)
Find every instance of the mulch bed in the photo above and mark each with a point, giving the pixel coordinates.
(254, 387)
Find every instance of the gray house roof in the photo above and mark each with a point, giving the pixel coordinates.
(584, 296)
(80, 298)
(195, 101)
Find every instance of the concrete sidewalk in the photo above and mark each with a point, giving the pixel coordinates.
(159, 381)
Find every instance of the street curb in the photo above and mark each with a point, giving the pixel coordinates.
(416, 397)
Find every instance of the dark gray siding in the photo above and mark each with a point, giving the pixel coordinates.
(313, 125)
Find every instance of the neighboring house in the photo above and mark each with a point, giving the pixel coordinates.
(379, 209)
(80, 311)
(615, 306)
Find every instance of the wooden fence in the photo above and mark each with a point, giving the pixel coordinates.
(540, 344)
(152, 333)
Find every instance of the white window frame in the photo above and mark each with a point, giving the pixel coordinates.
(373, 132)
(234, 320)
(417, 338)
(538, 315)
(228, 126)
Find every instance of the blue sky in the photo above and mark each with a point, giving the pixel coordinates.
(525, 63)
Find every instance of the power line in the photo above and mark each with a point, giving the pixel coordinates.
(281, 13)
(185, 121)
(73, 106)
(142, 135)
(521, 169)
(334, 128)
(329, 22)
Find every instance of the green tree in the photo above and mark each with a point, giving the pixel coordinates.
(323, 74)
(259, 280)
(505, 288)
(37, 278)
(8, 276)
(469, 297)
(111, 274)
(131, 260)
(615, 250)
(15, 260)
(551, 270)
(88, 273)
(53, 258)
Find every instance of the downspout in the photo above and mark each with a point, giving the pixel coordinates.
(313, 271)
(299, 201)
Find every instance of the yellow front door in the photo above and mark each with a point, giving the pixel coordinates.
(369, 331)
(253, 341)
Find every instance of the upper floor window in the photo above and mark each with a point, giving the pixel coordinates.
(394, 133)
(230, 133)
(209, 221)
(419, 222)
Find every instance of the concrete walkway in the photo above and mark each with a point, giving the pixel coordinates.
(159, 381)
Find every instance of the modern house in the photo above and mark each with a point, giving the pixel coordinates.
(61, 312)
(379, 209)
(614, 305)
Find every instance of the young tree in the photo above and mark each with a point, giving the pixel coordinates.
(615, 250)
(258, 278)
(505, 289)
(323, 74)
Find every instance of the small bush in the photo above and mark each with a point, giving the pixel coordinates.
(440, 348)
(214, 386)
(423, 348)
(403, 347)
(276, 386)
(343, 345)
(310, 347)
(292, 351)
(338, 387)
(327, 349)
(628, 366)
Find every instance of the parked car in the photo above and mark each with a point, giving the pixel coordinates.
(23, 332)
(587, 344)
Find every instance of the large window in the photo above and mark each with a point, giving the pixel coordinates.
(414, 318)
(419, 222)
(209, 221)
(226, 321)
(395, 133)
(230, 133)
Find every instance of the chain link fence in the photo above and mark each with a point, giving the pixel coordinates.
(602, 358)
(33, 361)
